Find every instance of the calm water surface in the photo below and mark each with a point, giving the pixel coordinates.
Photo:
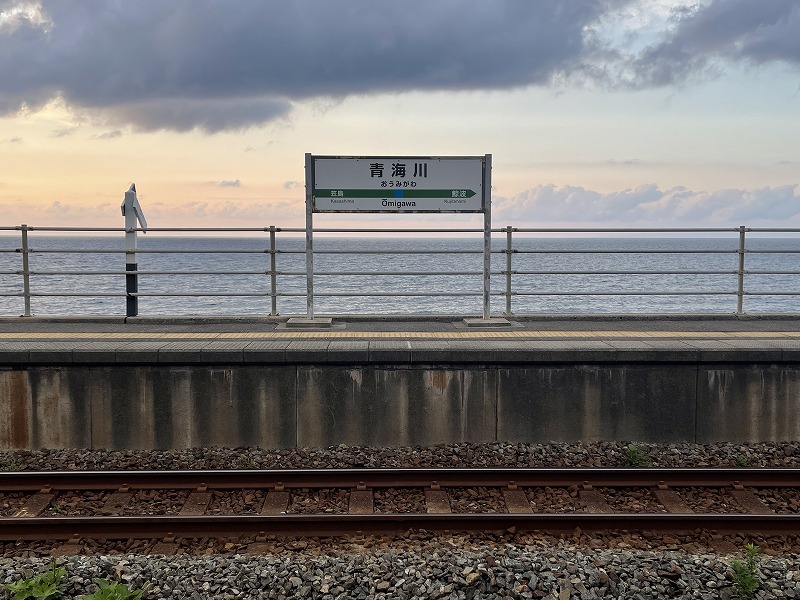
(715, 293)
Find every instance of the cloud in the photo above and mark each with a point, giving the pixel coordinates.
(109, 135)
(722, 30)
(235, 213)
(14, 140)
(290, 185)
(66, 131)
(209, 65)
(230, 183)
(185, 114)
(62, 213)
(542, 206)
(14, 15)
(213, 66)
(649, 206)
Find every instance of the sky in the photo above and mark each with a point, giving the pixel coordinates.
(597, 113)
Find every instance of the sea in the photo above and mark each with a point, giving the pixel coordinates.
(577, 275)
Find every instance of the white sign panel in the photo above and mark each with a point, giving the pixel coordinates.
(398, 184)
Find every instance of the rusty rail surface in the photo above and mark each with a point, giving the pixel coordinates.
(235, 526)
(43, 488)
(387, 477)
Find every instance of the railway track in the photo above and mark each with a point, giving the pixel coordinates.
(166, 505)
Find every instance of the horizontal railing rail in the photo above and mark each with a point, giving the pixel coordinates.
(528, 264)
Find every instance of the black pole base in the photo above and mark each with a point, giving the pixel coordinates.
(131, 287)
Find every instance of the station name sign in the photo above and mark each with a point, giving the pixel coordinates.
(409, 184)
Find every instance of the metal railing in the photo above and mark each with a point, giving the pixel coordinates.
(523, 269)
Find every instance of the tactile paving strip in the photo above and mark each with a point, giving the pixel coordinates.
(399, 335)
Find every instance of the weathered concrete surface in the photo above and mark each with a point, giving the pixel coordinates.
(336, 404)
(748, 403)
(597, 402)
(142, 406)
(403, 406)
(147, 407)
(61, 401)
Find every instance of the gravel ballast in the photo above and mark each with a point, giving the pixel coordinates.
(600, 454)
(446, 568)
(622, 565)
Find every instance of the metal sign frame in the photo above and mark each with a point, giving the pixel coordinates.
(406, 184)
(485, 208)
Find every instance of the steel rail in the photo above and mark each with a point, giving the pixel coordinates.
(420, 251)
(626, 272)
(109, 527)
(185, 525)
(68, 229)
(374, 273)
(416, 230)
(624, 229)
(77, 294)
(139, 272)
(613, 251)
(415, 477)
(392, 273)
(413, 229)
(750, 251)
(144, 251)
(72, 251)
(631, 293)
(209, 294)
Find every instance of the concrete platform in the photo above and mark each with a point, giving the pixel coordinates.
(245, 382)
(42, 341)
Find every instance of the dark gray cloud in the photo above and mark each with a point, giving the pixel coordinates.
(755, 32)
(185, 114)
(217, 65)
(212, 65)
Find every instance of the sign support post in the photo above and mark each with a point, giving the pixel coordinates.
(309, 237)
(487, 236)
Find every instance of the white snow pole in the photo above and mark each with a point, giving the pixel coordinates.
(132, 211)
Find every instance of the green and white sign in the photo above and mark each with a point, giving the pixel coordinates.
(398, 184)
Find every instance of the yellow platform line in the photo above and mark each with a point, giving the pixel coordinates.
(441, 335)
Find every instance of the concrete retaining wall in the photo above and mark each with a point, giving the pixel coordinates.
(286, 405)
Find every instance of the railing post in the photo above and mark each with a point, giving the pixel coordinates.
(740, 288)
(26, 271)
(132, 212)
(509, 250)
(272, 275)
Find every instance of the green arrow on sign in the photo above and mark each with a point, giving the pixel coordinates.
(394, 193)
